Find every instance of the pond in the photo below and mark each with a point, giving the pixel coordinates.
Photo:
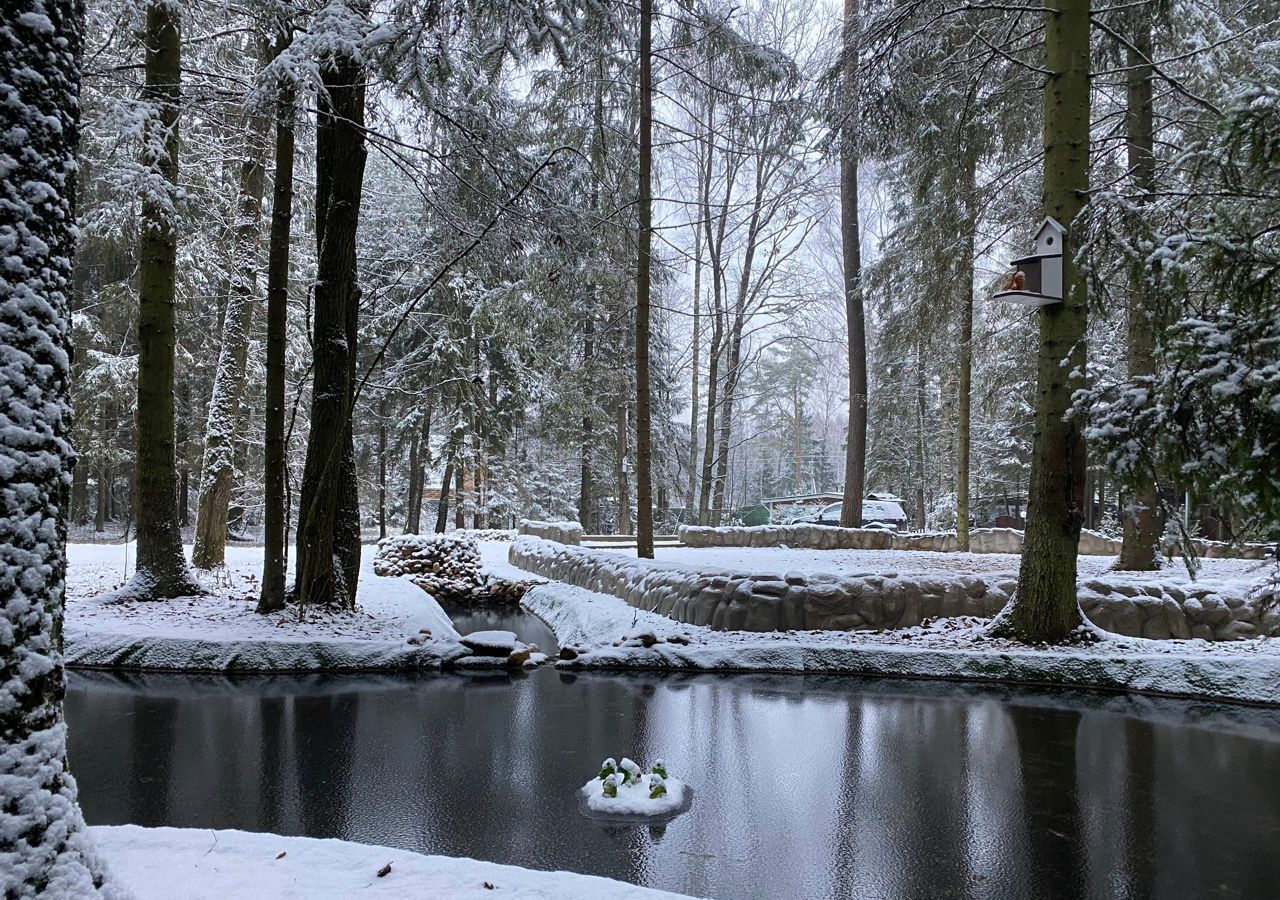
(526, 626)
(807, 787)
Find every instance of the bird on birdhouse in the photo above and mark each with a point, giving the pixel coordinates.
(1014, 281)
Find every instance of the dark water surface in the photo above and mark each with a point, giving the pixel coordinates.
(806, 786)
(527, 627)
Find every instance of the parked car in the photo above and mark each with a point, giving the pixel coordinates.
(878, 511)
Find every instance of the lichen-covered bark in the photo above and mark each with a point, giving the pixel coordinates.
(1045, 608)
(44, 850)
(161, 566)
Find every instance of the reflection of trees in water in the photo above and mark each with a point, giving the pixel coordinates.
(805, 787)
(323, 748)
(151, 758)
(1046, 746)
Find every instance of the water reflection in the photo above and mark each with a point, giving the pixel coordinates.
(527, 627)
(807, 787)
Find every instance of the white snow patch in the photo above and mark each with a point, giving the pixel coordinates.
(200, 864)
(395, 623)
(607, 633)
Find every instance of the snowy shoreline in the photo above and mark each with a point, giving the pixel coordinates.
(208, 864)
(606, 633)
(396, 627)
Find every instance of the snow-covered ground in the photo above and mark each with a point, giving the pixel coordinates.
(779, 560)
(605, 632)
(200, 864)
(220, 629)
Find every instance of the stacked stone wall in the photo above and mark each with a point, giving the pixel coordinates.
(731, 600)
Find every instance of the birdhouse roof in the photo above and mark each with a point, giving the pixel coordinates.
(1050, 223)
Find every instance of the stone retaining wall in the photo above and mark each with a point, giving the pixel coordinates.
(726, 600)
(981, 540)
(563, 532)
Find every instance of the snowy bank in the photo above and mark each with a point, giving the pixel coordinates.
(396, 624)
(201, 864)
(601, 631)
(879, 597)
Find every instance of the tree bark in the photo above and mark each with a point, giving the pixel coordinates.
(586, 502)
(644, 483)
(44, 847)
(963, 407)
(855, 455)
(1142, 523)
(459, 492)
(383, 412)
(1044, 607)
(692, 495)
(623, 476)
(275, 473)
(442, 510)
(161, 569)
(329, 525)
(217, 471)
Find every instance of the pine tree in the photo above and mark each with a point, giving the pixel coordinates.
(644, 480)
(1044, 607)
(275, 540)
(161, 565)
(218, 468)
(855, 460)
(328, 565)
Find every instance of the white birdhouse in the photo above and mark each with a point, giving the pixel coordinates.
(1036, 280)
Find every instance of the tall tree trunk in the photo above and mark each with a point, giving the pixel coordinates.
(586, 502)
(328, 522)
(161, 566)
(855, 454)
(1142, 524)
(383, 412)
(45, 849)
(692, 495)
(715, 247)
(183, 414)
(420, 460)
(218, 467)
(733, 373)
(1044, 607)
(275, 472)
(459, 491)
(412, 510)
(921, 460)
(963, 408)
(623, 475)
(442, 509)
(644, 483)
